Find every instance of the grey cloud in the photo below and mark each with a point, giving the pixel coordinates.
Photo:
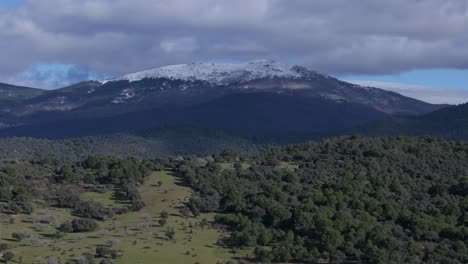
(333, 36)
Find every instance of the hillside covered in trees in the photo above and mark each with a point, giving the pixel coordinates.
(144, 145)
(353, 200)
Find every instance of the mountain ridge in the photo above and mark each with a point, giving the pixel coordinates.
(219, 74)
(178, 89)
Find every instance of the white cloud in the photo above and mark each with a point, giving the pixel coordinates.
(423, 93)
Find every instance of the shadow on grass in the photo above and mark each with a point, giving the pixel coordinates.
(10, 240)
(119, 197)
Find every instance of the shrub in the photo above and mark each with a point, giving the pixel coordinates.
(95, 210)
(19, 235)
(78, 225)
(84, 225)
(105, 251)
(4, 247)
(66, 227)
(7, 256)
(87, 258)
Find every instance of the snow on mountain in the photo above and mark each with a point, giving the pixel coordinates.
(222, 73)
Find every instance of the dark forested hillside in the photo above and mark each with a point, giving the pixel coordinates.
(12, 96)
(353, 200)
(449, 122)
(147, 144)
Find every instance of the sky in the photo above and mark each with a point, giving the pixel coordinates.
(415, 47)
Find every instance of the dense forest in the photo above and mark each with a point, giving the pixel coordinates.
(144, 145)
(354, 200)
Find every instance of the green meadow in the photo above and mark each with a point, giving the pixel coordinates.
(138, 236)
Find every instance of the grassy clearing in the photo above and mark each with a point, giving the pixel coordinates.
(286, 165)
(138, 235)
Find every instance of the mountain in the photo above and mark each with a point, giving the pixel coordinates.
(9, 94)
(450, 122)
(12, 96)
(254, 98)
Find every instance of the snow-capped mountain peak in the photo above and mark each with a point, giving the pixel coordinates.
(221, 73)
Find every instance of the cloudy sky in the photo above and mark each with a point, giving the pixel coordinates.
(416, 47)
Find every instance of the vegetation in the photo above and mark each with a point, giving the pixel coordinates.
(67, 196)
(145, 145)
(449, 122)
(389, 200)
(345, 200)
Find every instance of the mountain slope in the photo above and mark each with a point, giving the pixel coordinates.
(248, 114)
(169, 95)
(146, 145)
(11, 94)
(450, 122)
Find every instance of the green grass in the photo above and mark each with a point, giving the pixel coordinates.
(286, 165)
(107, 198)
(139, 244)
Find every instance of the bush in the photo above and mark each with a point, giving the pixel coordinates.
(87, 258)
(4, 247)
(78, 225)
(66, 227)
(84, 225)
(106, 251)
(67, 198)
(19, 235)
(95, 210)
(170, 233)
(7, 256)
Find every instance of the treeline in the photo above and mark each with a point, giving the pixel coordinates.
(383, 200)
(23, 183)
(20, 184)
(123, 174)
(146, 145)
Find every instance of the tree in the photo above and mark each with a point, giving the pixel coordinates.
(164, 214)
(185, 212)
(66, 227)
(7, 256)
(92, 209)
(162, 222)
(67, 197)
(170, 233)
(19, 235)
(66, 173)
(103, 251)
(84, 225)
(87, 258)
(78, 225)
(4, 247)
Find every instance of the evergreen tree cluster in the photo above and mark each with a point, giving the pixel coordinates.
(373, 200)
